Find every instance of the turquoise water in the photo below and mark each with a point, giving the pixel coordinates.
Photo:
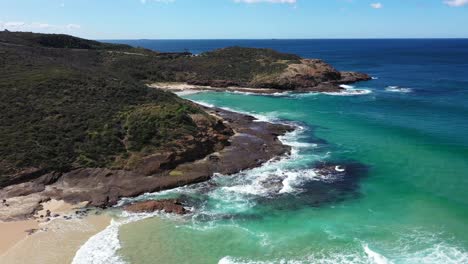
(403, 199)
(410, 206)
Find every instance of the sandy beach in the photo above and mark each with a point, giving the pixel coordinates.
(37, 240)
(184, 87)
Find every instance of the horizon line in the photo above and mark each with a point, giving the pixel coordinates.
(387, 38)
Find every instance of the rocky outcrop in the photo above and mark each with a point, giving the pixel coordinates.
(352, 77)
(20, 207)
(310, 75)
(172, 206)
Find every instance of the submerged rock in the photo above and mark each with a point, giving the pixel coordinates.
(273, 183)
(173, 206)
(330, 170)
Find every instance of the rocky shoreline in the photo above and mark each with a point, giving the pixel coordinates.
(308, 75)
(325, 87)
(252, 144)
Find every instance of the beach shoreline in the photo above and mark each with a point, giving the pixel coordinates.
(54, 223)
(55, 242)
(177, 87)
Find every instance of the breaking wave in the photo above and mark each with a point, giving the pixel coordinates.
(398, 89)
(102, 248)
(363, 256)
(438, 253)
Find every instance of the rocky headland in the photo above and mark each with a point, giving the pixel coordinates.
(303, 75)
(246, 143)
(82, 125)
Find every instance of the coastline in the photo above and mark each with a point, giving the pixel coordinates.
(56, 242)
(185, 87)
(49, 214)
(325, 88)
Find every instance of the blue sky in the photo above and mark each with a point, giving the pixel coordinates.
(219, 19)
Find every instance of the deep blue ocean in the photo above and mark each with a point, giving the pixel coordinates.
(436, 71)
(403, 200)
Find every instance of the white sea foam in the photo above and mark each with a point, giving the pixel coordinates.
(204, 104)
(413, 247)
(397, 89)
(102, 248)
(282, 172)
(188, 92)
(420, 247)
(350, 91)
(294, 178)
(439, 253)
(375, 257)
(345, 86)
(340, 257)
(256, 93)
(375, 78)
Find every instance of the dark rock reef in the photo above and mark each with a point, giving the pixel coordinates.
(172, 206)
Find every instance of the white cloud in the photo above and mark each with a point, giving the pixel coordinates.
(39, 27)
(456, 3)
(267, 1)
(377, 5)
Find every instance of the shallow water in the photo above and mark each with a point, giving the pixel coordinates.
(404, 144)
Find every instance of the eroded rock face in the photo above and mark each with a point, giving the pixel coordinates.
(314, 75)
(212, 136)
(172, 206)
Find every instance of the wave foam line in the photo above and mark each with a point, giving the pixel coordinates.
(102, 248)
(375, 257)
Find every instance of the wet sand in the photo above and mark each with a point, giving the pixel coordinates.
(14, 232)
(52, 235)
(55, 243)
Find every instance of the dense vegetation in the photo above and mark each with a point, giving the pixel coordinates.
(67, 102)
(62, 108)
(236, 65)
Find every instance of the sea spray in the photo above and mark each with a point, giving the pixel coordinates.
(375, 257)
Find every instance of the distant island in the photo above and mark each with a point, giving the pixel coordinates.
(83, 122)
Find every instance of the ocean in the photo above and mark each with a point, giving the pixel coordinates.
(403, 138)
